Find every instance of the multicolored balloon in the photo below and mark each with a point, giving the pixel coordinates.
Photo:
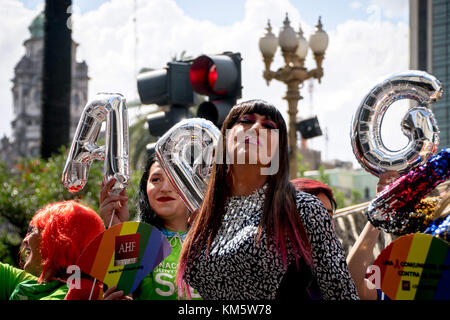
(419, 124)
(186, 153)
(392, 209)
(103, 107)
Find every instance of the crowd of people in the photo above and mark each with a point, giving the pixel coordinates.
(256, 236)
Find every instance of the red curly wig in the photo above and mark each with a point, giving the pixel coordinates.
(66, 229)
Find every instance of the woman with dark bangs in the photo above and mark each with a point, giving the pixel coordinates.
(160, 206)
(57, 235)
(255, 236)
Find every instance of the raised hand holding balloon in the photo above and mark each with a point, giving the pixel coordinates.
(392, 210)
(186, 153)
(103, 107)
(83, 151)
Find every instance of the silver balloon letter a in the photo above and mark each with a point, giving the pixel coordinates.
(103, 107)
(186, 153)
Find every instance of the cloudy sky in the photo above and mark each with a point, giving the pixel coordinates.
(368, 40)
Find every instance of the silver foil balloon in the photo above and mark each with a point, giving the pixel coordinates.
(419, 124)
(186, 153)
(103, 107)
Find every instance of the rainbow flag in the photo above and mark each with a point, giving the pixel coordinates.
(415, 267)
(124, 254)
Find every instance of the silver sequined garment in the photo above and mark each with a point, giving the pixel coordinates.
(238, 268)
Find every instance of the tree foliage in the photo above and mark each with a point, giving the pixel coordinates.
(34, 182)
(323, 177)
(139, 138)
(302, 166)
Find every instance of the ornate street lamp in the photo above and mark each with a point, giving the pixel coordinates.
(294, 48)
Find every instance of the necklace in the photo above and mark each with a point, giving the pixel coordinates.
(172, 236)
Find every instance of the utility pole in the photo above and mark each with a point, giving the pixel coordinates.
(56, 77)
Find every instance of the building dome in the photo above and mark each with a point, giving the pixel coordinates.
(37, 26)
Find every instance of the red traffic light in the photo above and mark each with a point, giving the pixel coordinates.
(214, 75)
(212, 79)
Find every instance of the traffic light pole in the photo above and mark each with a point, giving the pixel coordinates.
(176, 87)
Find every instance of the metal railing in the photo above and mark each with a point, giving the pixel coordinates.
(357, 208)
(350, 221)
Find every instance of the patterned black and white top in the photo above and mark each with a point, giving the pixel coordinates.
(237, 268)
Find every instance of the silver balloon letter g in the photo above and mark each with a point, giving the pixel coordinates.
(112, 109)
(419, 124)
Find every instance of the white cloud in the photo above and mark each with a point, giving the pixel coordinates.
(359, 56)
(355, 5)
(359, 53)
(390, 9)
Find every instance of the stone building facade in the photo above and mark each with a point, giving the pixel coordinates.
(26, 90)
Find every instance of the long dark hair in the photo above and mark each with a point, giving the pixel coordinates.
(146, 213)
(280, 219)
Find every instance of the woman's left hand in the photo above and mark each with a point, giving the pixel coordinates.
(386, 178)
(111, 205)
(112, 294)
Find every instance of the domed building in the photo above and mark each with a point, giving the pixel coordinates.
(27, 87)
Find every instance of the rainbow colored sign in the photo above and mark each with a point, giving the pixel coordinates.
(415, 267)
(124, 254)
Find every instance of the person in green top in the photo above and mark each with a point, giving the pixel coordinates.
(160, 206)
(56, 236)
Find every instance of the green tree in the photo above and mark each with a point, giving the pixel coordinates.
(339, 196)
(301, 166)
(356, 196)
(139, 137)
(323, 176)
(31, 184)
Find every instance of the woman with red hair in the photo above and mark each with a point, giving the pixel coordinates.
(318, 189)
(57, 235)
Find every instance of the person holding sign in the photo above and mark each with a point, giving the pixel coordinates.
(57, 235)
(255, 236)
(160, 206)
